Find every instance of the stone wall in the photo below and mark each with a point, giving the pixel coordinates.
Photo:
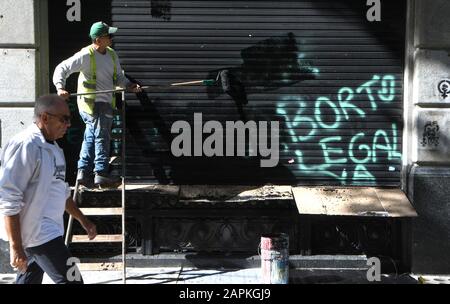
(23, 74)
(429, 177)
(23, 62)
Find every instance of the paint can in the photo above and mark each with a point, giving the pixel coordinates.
(275, 258)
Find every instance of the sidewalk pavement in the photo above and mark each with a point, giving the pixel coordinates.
(179, 275)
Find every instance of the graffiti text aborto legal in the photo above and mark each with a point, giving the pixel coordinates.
(359, 149)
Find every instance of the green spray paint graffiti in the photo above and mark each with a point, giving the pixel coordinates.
(341, 151)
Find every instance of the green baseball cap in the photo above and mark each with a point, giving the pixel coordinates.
(100, 28)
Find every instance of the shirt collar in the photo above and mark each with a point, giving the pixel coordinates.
(38, 136)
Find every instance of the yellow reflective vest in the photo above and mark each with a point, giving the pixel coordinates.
(85, 85)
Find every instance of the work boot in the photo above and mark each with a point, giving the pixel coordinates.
(85, 178)
(103, 180)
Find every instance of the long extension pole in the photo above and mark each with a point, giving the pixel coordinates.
(205, 82)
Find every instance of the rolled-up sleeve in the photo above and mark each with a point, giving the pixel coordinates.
(19, 163)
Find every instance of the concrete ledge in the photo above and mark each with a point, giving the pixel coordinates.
(190, 196)
(234, 261)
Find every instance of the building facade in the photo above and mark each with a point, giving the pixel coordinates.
(353, 94)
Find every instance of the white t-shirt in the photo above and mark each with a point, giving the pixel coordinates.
(52, 217)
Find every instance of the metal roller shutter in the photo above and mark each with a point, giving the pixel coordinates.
(332, 79)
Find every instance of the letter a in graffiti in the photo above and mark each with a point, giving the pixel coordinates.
(374, 13)
(374, 272)
(74, 13)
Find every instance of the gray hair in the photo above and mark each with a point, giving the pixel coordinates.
(45, 103)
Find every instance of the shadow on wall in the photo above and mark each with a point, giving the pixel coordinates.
(136, 134)
(268, 65)
(167, 168)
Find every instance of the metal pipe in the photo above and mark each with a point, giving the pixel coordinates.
(70, 222)
(124, 249)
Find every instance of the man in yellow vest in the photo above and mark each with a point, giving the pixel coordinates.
(100, 70)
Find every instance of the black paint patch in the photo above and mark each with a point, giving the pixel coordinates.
(161, 9)
(233, 86)
(269, 64)
(274, 63)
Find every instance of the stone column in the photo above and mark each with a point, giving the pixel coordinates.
(23, 74)
(429, 177)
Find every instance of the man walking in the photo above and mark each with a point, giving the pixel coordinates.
(100, 70)
(34, 196)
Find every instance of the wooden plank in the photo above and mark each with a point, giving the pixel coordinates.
(396, 203)
(101, 238)
(307, 201)
(101, 211)
(352, 201)
(106, 266)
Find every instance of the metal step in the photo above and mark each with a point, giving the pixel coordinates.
(101, 238)
(101, 211)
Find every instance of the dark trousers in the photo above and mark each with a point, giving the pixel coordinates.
(53, 259)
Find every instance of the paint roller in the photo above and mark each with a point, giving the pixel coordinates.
(232, 86)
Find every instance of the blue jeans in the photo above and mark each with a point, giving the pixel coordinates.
(94, 154)
(52, 258)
